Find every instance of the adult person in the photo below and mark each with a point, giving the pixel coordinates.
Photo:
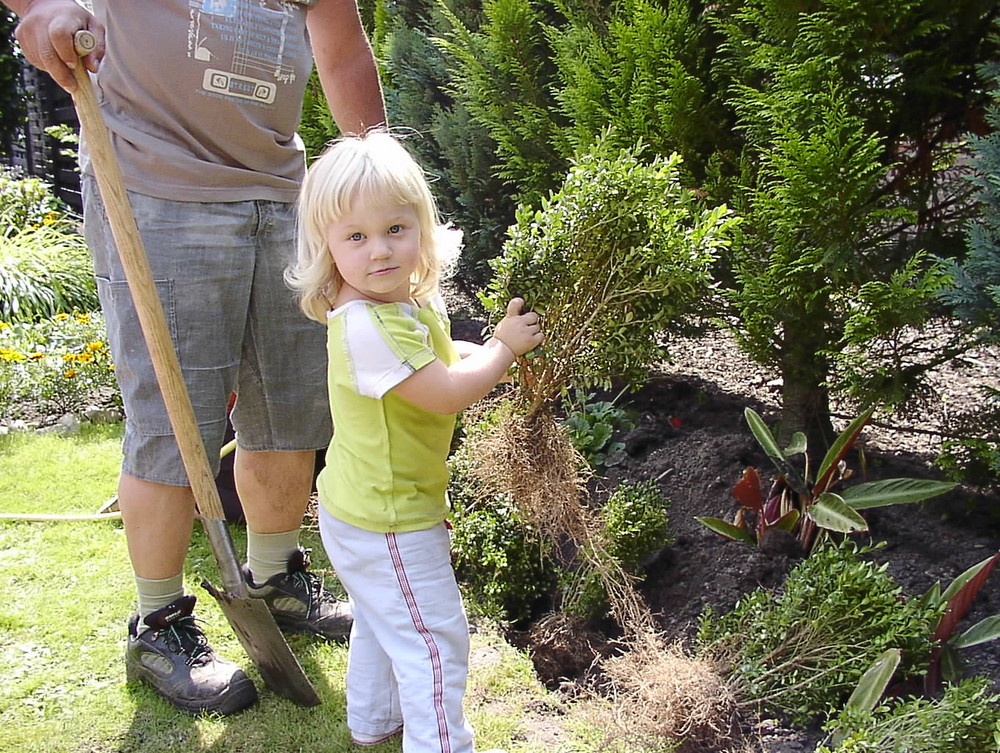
(203, 99)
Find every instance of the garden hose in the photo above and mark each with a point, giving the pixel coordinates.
(43, 518)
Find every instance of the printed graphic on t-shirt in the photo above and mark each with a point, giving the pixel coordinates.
(244, 45)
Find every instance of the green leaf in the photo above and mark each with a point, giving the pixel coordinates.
(797, 445)
(831, 512)
(893, 491)
(873, 682)
(728, 530)
(931, 597)
(842, 444)
(788, 521)
(764, 437)
(959, 582)
(985, 630)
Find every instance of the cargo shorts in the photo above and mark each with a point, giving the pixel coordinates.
(236, 327)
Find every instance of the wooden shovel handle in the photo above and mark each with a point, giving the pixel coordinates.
(143, 289)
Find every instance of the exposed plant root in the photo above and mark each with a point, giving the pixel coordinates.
(562, 645)
(662, 691)
(533, 462)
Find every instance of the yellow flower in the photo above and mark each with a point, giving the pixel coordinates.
(85, 357)
(11, 355)
(95, 346)
(36, 355)
(61, 317)
(3, 326)
(51, 218)
(83, 318)
(69, 373)
(70, 357)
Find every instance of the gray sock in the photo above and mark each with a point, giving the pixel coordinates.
(156, 594)
(267, 553)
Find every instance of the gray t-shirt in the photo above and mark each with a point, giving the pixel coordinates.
(203, 97)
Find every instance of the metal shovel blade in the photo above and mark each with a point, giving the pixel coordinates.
(254, 625)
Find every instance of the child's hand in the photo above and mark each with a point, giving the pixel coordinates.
(519, 332)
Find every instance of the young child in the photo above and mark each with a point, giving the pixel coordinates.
(371, 253)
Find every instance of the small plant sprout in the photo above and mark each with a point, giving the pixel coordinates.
(801, 501)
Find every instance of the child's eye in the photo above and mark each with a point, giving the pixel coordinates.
(356, 236)
(395, 229)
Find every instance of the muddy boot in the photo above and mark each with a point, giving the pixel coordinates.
(170, 653)
(300, 603)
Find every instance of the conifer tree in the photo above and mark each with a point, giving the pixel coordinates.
(975, 293)
(832, 270)
(456, 151)
(974, 297)
(835, 126)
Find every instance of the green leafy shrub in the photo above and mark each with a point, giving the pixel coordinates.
(45, 270)
(26, 201)
(57, 365)
(799, 653)
(965, 719)
(634, 527)
(619, 255)
(498, 558)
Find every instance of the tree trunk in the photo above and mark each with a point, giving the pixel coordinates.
(805, 402)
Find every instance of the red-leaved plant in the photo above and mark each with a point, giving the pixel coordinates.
(799, 502)
(945, 661)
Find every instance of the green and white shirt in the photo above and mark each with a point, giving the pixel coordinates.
(386, 467)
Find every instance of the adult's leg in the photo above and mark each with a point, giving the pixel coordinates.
(274, 488)
(282, 417)
(166, 648)
(158, 520)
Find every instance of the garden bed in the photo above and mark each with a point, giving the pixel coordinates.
(692, 439)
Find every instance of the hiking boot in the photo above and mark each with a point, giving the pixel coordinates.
(174, 657)
(300, 603)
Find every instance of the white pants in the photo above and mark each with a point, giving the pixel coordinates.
(409, 648)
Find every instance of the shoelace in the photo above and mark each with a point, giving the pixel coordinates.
(313, 587)
(185, 637)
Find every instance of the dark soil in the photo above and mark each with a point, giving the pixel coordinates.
(692, 439)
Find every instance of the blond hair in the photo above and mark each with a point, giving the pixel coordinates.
(374, 165)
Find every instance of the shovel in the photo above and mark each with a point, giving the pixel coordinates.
(250, 618)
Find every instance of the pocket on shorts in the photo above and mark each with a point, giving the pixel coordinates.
(133, 367)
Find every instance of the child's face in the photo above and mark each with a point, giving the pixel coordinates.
(376, 247)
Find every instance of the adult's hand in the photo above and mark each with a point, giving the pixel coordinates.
(45, 35)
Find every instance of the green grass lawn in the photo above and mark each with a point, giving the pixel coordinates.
(68, 590)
